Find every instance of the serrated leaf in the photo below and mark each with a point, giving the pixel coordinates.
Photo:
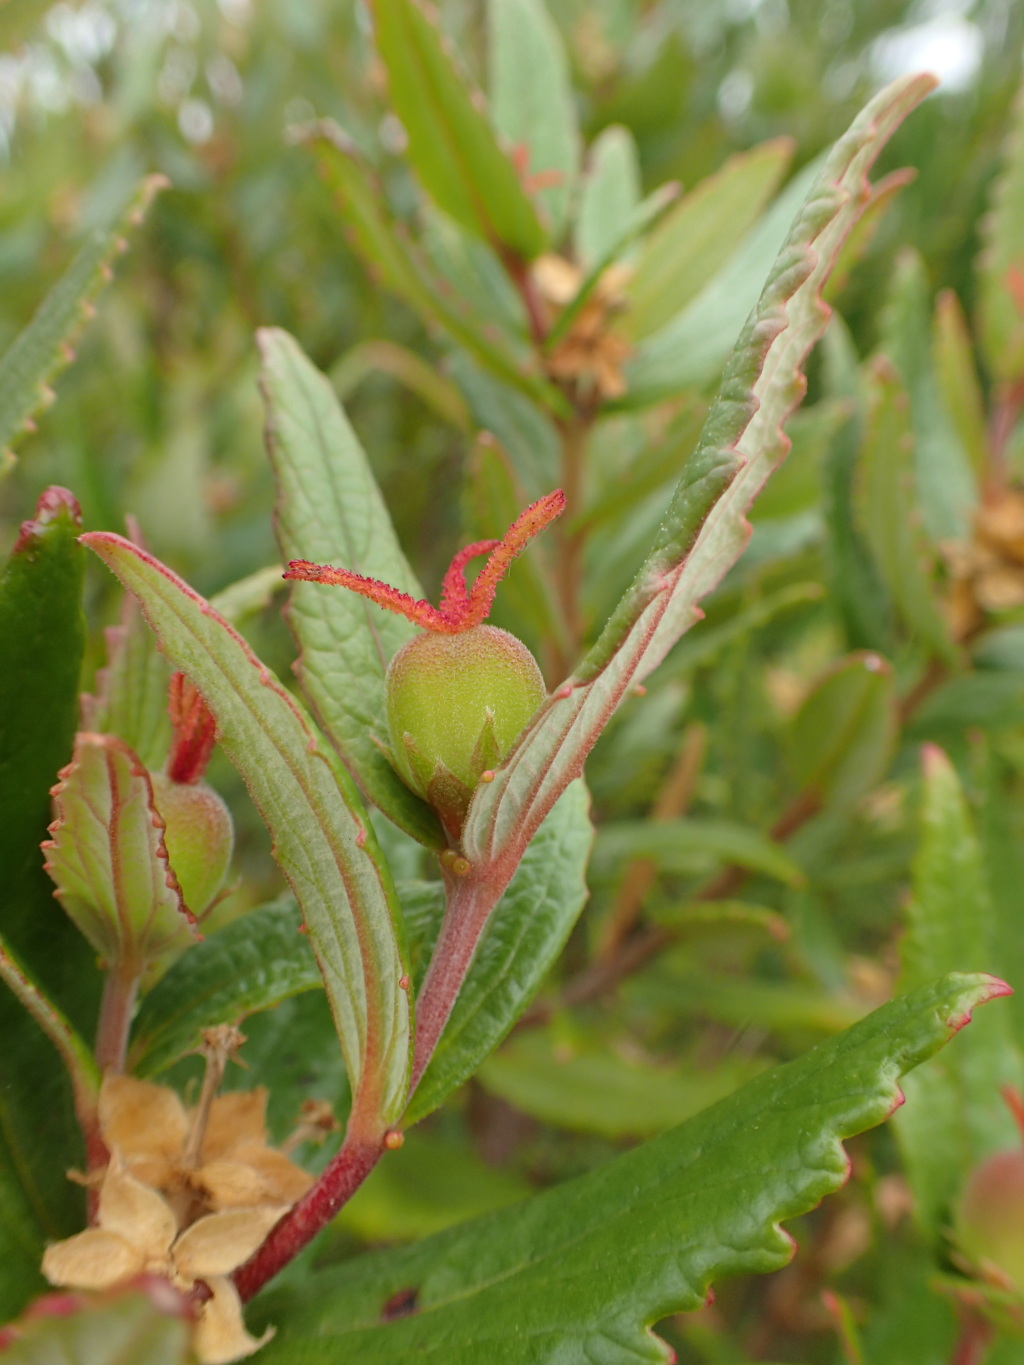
(695, 241)
(251, 964)
(531, 99)
(692, 847)
(593, 1090)
(609, 193)
(945, 481)
(452, 147)
(385, 248)
(842, 738)
(108, 859)
(108, 1330)
(704, 533)
(891, 515)
(330, 511)
(43, 348)
(1001, 262)
(955, 1116)
(579, 1273)
(321, 837)
(957, 376)
(523, 938)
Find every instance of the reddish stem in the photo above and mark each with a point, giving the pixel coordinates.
(536, 314)
(359, 1153)
(116, 1009)
(975, 1336)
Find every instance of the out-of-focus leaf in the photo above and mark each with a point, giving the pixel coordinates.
(1001, 648)
(694, 918)
(493, 499)
(795, 488)
(131, 691)
(891, 515)
(689, 351)
(989, 701)
(883, 192)
(428, 1185)
(688, 847)
(942, 466)
(708, 641)
(470, 272)
(957, 375)
(955, 1115)
(703, 534)
(598, 1091)
(855, 584)
(523, 938)
(249, 595)
(411, 370)
(40, 352)
(108, 858)
(322, 838)
(522, 429)
(842, 738)
(42, 640)
(531, 100)
(151, 1327)
(250, 965)
(1001, 263)
(789, 1009)
(695, 241)
(581, 1272)
(329, 510)
(385, 248)
(609, 194)
(452, 147)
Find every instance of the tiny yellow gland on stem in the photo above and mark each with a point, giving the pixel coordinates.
(458, 694)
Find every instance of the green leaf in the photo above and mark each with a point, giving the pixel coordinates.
(988, 701)
(251, 594)
(322, 839)
(416, 374)
(705, 530)
(42, 640)
(942, 469)
(1001, 262)
(452, 147)
(524, 936)
(955, 1116)
(108, 858)
(692, 847)
(705, 644)
(329, 510)
(41, 351)
(593, 1090)
(891, 514)
(251, 964)
(523, 430)
(609, 194)
(132, 690)
(689, 352)
(854, 580)
(532, 100)
(842, 738)
(702, 232)
(958, 381)
(389, 254)
(580, 1272)
(109, 1330)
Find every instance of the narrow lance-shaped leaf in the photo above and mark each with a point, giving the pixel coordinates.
(452, 146)
(581, 1272)
(693, 243)
(108, 858)
(41, 351)
(131, 691)
(609, 193)
(890, 513)
(956, 1116)
(704, 533)
(321, 838)
(330, 510)
(1001, 263)
(532, 101)
(953, 358)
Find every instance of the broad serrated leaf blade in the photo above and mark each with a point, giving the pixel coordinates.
(321, 836)
(580, 1273)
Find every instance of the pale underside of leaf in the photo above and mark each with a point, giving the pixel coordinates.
(322, 840)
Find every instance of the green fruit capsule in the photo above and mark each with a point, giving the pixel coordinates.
(990, 1218)
(455, 705)
(199, 837)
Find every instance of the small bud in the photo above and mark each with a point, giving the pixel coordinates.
(989, 1217)
(199, 837)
